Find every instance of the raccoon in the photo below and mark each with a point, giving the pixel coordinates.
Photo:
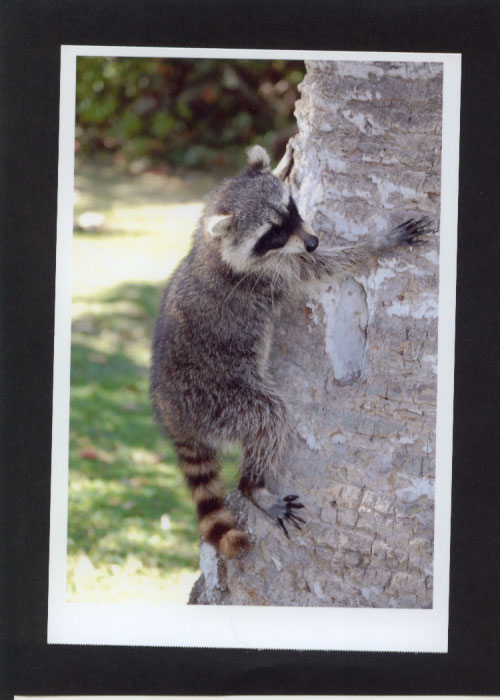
(210, 383)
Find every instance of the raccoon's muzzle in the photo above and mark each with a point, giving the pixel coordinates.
(306, 234)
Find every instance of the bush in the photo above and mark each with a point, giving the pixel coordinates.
(184, 112)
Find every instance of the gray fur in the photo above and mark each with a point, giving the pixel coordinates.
(209, 380)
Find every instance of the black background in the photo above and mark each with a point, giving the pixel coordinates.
(31, 34)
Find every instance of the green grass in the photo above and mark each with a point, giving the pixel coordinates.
(132, 530)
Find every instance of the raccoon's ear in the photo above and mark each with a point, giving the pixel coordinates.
(282, 170)
(258, 158)
(219, 224)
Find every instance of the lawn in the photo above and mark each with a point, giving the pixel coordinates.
(132, 530)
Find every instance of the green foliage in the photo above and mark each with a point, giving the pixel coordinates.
(184, 112)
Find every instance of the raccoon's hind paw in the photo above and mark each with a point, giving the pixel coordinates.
(283, 513)
(281, 510)
(413, 232)
(233, 543)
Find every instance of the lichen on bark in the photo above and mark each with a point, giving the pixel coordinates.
(357, 361)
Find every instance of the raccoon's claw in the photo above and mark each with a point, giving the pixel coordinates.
(282, 526)
(412, 230)
(283, 512)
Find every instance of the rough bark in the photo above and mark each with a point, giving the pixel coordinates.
(358, 361)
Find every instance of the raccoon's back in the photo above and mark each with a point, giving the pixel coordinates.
(170, 347)
(180, 324)
(187, 344)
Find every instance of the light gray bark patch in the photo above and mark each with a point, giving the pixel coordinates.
(345, 332)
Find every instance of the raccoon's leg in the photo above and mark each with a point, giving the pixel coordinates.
(267, 435)
(343, 259)
(216, 521)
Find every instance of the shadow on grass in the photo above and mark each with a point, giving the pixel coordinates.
(99, 183)
(126, 494)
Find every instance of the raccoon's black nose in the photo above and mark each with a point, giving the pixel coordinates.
(311, 243)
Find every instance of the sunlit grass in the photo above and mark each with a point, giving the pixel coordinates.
(145, 227)
(132, 529)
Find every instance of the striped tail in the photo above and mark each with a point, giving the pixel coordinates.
(215, 520)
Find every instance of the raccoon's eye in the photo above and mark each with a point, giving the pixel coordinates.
(275, 238)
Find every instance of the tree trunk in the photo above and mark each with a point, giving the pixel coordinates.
(357, 362)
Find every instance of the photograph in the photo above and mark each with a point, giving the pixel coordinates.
(250, 322)
(255, 286)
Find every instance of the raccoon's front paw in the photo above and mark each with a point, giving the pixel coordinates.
(283, 512)
(412, 232)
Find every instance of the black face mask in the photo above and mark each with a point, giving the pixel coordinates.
(275, 238)
(278, 234)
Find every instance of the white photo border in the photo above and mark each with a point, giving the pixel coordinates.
(252, 627)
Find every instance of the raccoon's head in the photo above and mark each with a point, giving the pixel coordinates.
(253, 219)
